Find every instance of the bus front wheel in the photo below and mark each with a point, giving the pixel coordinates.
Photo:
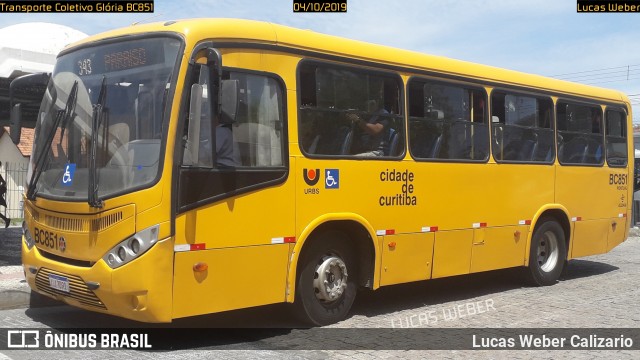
(548, 253)
(326, 286)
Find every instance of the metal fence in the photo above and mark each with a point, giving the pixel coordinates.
(15, 174)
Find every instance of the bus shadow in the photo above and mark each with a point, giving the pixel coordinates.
(268, 327)
(273, 326)
(463, 288)
(584, 268)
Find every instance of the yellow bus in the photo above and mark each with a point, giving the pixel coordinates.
(199, 166)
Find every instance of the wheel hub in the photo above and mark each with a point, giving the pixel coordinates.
(330, 280)
(548, 251)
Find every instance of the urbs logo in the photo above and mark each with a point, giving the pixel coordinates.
(311, 177)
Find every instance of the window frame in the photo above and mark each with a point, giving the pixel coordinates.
(606, 143)
(369, 70)
(467, 85)
(585, 103)
(553, 128)
(258, 177)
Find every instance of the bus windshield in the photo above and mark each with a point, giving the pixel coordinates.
(102, 120)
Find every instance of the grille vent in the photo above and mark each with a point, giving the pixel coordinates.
(78, 290)
(77, 224)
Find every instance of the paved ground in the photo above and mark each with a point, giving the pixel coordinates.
(14, 292)
(598, 291)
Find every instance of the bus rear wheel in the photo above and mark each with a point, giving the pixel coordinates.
(326, 286)
(548, 253)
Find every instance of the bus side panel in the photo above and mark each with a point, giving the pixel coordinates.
(617, 232)
(452, 253)
(406, 257)
(621, 185)
(244, 237)
(592, 203)
(498, 248)
(590, 238)
(236, 278)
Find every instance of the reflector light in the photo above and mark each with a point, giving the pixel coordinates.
(386, 232)
(194, 247)
(200, 267)
(430, 229)
(284, 240)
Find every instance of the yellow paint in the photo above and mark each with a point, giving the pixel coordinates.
(409, 260)
(237, 278)
(452, 253)
(500, 247)
(246, 269)
(139, 291)
(590, 237)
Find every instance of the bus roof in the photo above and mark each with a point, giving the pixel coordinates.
(258, 32)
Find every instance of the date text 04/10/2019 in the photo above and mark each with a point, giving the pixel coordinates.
(332, 6)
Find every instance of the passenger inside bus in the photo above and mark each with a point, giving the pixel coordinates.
(372, 140)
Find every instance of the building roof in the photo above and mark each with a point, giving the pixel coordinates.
(32, 47)
(26, 140)
(29, 48)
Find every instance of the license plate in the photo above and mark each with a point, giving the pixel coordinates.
(59, 282)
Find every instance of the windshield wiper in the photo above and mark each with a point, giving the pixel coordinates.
(97, 118)
(61, 116)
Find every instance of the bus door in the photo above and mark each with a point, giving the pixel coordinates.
(234, 227)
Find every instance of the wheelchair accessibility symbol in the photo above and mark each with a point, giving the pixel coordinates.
(332, 180)
(67, 177)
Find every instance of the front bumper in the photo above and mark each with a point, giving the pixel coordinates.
(140, 290)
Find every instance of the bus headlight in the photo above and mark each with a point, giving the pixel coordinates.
(132, 247)
(26, 235)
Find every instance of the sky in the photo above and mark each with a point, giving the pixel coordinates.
(546, 37)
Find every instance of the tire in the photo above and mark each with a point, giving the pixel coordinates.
(548, 253)
(329, 257)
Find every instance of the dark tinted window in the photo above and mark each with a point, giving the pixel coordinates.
(522, 128)
(580, 133)
(447, 121)
(616, 133)
(349, 112)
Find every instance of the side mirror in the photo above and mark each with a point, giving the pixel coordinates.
(229, 101)
(16, 123)
(195, 111)
(25, 96)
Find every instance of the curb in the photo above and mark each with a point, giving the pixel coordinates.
(14, 299)
(14, 291)
(16, 294)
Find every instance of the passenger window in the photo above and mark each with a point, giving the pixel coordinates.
(253, 139)
(349, 112)
(257, 135)
(616, 138)
(580, 134)
(521, 128)
(447, 122)
(222, 152)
